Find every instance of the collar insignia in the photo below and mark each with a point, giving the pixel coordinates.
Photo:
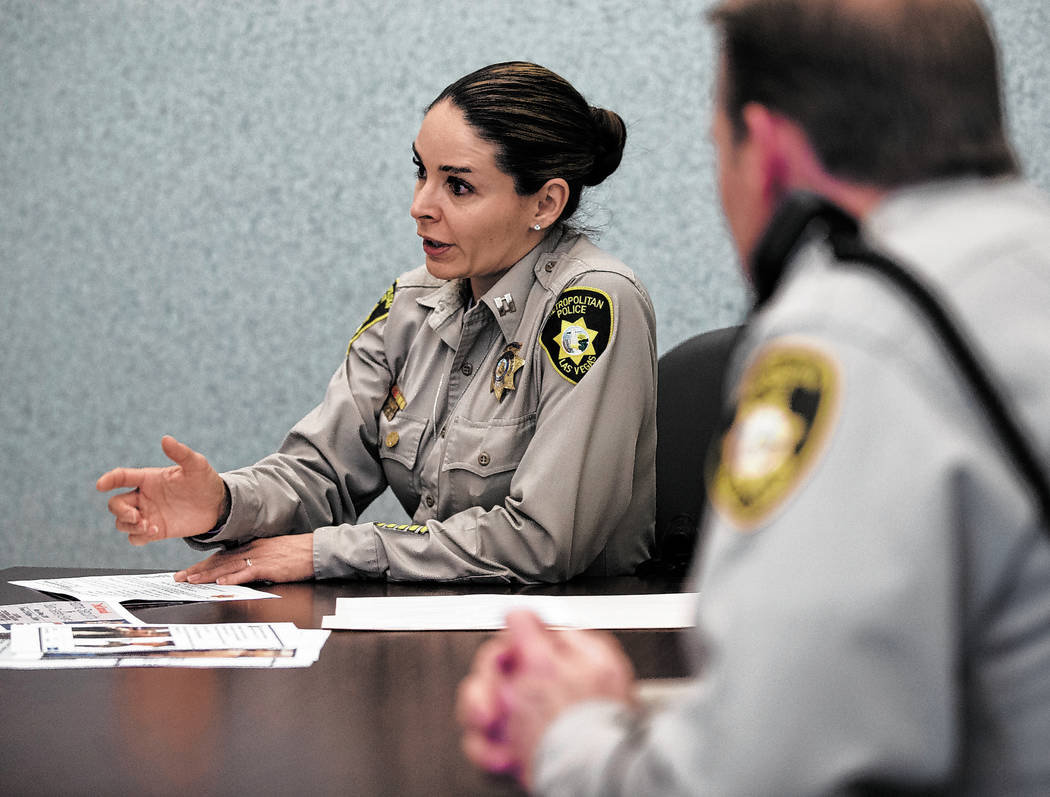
(505, 304)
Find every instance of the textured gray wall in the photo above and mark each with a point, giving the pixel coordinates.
(199, 202)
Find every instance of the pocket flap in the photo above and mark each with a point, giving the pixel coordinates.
(490, 447)
(399, 438)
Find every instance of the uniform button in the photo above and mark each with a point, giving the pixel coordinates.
(441, 307)
(467, 369)
(429, 500)
(391, 439)
(483, 458)
(548, 266)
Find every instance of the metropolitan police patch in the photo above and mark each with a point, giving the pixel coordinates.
(787, 404)
(379, 312)
(577, 331)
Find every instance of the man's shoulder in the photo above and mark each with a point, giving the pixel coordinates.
(947, 222)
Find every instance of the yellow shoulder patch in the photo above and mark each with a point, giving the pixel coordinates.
(788, 400)
(379, 312)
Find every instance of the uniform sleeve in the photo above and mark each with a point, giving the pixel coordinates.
(327, 469)
(571, 488)
(830, 626)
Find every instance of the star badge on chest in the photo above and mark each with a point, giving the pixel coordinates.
(508, 364)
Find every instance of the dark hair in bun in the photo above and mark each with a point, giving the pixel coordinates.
(610, 135)
(542, 127)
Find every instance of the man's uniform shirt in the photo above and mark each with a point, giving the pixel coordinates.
(874, 595)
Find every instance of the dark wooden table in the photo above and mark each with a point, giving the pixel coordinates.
(373, 716)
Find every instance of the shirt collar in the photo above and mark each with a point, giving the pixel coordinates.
(506, 299)
(445, 300)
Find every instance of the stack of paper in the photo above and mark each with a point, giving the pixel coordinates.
(122, 644)
(97, 631)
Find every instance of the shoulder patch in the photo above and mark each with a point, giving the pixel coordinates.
(577, 331)
(787, 403)
(379, 312)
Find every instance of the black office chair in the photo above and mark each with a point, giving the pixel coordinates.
(688, 415)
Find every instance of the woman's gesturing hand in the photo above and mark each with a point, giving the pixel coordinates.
(181, 500)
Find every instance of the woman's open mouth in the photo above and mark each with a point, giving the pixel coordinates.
(435, 248)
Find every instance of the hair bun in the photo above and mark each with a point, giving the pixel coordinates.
(610, 136)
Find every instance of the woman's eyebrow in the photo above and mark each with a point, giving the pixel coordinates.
(449, 169)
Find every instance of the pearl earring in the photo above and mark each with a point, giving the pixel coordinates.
(536, 227)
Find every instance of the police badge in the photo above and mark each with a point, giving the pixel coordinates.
(507, 366)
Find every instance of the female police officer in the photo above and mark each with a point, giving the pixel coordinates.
(505, 391)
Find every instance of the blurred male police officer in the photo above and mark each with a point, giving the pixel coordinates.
(874, 610)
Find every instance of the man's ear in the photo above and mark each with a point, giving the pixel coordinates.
(785, 155)
(764, 131)
(550, 201)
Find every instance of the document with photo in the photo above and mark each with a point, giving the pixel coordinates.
(54, 646)
(61, 612)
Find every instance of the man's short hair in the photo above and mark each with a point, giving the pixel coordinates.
(890, 92)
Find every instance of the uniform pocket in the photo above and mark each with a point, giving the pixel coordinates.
(480, 458)
(399, 438)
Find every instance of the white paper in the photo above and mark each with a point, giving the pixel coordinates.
(155, 587)
(485, 612)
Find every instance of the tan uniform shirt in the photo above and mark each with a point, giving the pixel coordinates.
(524, 462)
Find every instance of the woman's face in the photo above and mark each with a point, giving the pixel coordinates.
(472, 221)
